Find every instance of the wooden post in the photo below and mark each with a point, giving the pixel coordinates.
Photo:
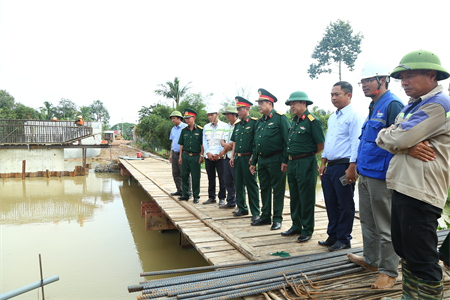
(23, 169)
(48, 173)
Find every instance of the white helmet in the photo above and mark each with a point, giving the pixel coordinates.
(212, 110)
(374, 68)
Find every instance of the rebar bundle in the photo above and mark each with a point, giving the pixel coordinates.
(316, 276)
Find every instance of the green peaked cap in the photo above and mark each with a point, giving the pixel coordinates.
(421, 60)
(230, 110)
(266, 96)
(298, 96)
(189, 113)
(175, 113)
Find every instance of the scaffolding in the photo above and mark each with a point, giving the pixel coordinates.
(39, 132)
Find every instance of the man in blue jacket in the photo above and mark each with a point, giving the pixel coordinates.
(374, 197)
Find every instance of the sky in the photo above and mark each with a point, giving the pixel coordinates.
(119, 51)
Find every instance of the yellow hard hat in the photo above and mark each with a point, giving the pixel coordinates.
(80, 117)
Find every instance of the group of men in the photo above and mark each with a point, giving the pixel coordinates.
(399, 153)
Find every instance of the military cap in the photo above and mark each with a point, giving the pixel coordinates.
(266, 96)
(230, 110)
(298, 96)
(189, 113)
(421, 60)
(176, 113)
(242, 102)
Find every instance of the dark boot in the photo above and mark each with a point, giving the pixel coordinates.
(430, 290)
(409, 283)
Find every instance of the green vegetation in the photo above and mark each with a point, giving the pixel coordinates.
(338, 45)
(127, 130)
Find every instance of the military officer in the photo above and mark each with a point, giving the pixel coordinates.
(243, 138)
(306, 138)
(192, 155)
(270, 153)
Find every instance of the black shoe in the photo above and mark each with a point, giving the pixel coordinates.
(254, 218)
(328, 243)
(239, 213)
(177, 194)
(210, 201)
(183, 198)
(303, 238)
(260, 222)
(339, 246)
(226, 206)
(276, 226)
(290, 232)
(196, 200)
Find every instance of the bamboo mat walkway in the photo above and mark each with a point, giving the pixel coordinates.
(218, 236)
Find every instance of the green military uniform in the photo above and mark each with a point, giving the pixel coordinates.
(304, 135)
(191, 140)
(270, 152)
(243, 136)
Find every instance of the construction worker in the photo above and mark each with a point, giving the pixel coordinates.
(306, 139)
(192, 155)
(79, 122)
(243, 138)
(212, 138)
(271, 138)
(375, 199)
(420, 187)
(55, 119)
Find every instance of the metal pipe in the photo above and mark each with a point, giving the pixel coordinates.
(28, 288)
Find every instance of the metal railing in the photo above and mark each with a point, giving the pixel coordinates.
(16, 132)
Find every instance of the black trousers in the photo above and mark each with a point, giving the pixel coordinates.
(414, 224)
(211, 167)
(230, 182)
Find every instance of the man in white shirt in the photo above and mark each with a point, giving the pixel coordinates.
(212, 138)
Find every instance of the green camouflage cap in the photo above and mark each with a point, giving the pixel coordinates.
(421, 60)
(175, 113)
(230, 110)
(298, 96)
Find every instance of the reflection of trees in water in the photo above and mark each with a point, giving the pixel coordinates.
(46, 211)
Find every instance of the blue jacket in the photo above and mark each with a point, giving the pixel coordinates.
(372, 160)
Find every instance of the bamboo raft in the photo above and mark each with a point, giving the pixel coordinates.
(223, 239)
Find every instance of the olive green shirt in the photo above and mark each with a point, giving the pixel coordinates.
(305, 134)
(271, 136)
(191, 140)
(244, 135)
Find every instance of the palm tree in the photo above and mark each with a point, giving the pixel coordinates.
(172, 90)
(86, 113)
(48, 107)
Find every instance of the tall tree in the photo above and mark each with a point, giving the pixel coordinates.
(86, 113)
(7, 104)
(48, 110)
(99, 111)
(66, 109)
(338, 45)
(173, 90)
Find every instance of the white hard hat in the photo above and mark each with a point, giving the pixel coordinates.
(374, 68)
(212, 110)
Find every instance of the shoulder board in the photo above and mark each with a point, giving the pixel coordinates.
(253, 118)
(238, 121)
(200, 127)
(280, 113)
(185, 128)
(311, 117)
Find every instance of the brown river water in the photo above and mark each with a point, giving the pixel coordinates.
(88, 230)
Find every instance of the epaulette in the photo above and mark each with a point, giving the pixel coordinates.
(185, 128)
(253, 118)
(237, 121)
(311, 118)
(280, 113)
(200, 127)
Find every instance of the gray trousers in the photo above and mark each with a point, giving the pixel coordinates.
(176, 173)
(375, 204)
(230, 184)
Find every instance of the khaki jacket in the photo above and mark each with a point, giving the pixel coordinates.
(425, 181)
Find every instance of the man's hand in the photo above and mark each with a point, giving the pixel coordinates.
(322, 170)
(232, 162)
(170, 157)
(422, 151)
(351, 173)
(210, 156)
(283, 167)
(253, 170)
(217, 157)
(222, 153)
(180, 161)
(200, 160)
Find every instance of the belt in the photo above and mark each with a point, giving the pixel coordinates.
(191, 154)
(276, 152)
(338, 162)
(244, 154)
(301, 156)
